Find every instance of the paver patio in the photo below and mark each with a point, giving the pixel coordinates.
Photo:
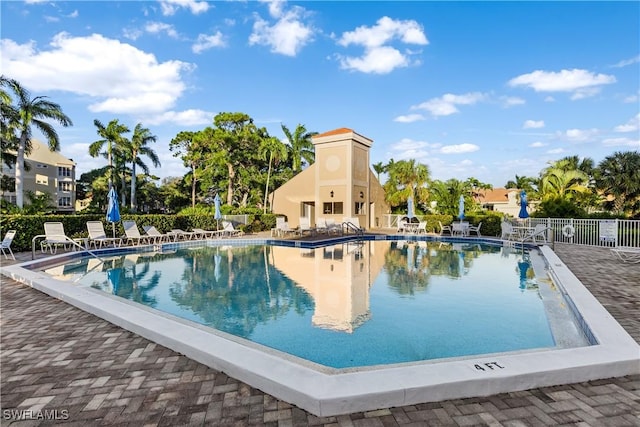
(58, 360)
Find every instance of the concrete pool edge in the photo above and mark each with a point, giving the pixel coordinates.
(331, 394)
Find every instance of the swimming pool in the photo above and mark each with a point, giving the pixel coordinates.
(366, 303)
(326, 391)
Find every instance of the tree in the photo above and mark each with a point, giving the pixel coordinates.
(561, 183)
(22, 118)
(618, 177)
(379, 168)
(407, 179)
(447, 194)
(112, 137)
(138, 146)
(523, 183)
(300, 146)
(276, 151)
(182, 144)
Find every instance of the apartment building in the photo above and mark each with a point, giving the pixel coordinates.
(49, 172)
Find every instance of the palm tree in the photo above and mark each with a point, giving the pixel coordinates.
(379, 168)
(21, 118)
(407, 179)
(618, 176)
(112, 137)
(563, 184)
(300, 146)
(138, 146)
(277, 151)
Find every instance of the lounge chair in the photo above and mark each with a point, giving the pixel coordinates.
(133, 233)
(321, 226)
(229, 230)
(444, 228)
(422, 227)
(205, 234)
(352, 224)
(282, 228)
(332, 227)
(507, 231)
(627, 254)
(157, 237)
(98, 237)
(54, 237)
(305, 226)
(6, 243)
(537, 235)
(475, 229)
(184, 235)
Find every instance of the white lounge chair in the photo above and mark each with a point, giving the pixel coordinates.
(205, 234)
(156, 236)
(98, 237)
(229, 230)
(475, 229)
(54, 237)
(305, 226)
(179, 233)
(132, 232)
(333, 227)
(6, 243)
(282, 228)
(507, 231)
(537, 235)
(444, 228)
(627, 254)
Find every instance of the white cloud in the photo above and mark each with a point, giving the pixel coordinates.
(621, 142)
(511, 101)
(120, 77)
(582, 83)
(633, 125)
(459, 148)
(556, 151)
(170, 7)
(409, 118)
(287, 36)
(131, 33)
(378, 56)
(538, 144)
(74, 14)
(626, 62)
(533, 124)
(184, 118)
(629, 99)
(446, 105)
(48, 18)
(578, 135)
(206, 42)
(160, 27)
(549, 99)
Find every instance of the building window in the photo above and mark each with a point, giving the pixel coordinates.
(332, 208)
(64, 186)
(360, 208)
(64, 202)
(41, 166)
(64, 171)
(42, 179)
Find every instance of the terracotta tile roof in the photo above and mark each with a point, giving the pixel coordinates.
(496, 195)
(334, 132)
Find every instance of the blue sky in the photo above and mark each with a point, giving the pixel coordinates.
(471, 89)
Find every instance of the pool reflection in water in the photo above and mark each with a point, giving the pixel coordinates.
(348, 305)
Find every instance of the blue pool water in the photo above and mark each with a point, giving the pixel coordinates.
(348, 305)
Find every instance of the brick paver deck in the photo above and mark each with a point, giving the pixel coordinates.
(59, 361)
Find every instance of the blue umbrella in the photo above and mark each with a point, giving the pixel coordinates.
(217, 215)
(523, 205)
(113, 209)
(461, 208)
(113, 276)
(410, 209)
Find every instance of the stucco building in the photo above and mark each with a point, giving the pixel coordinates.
(339, 184)
(48, 172)
(504, 200)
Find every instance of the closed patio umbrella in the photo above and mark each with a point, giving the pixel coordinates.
(113, 209)
(523, 205)
(217, 215)
(461, 208)
(410, 208)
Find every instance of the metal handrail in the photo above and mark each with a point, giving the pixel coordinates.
(70, 240)
(351, 226)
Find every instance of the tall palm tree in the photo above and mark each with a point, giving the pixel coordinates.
(26, 114)
(138, 146)
(379, 168)
(277, 151)
(112, 137)
(564, 184)
(300, 146)
(618, 177)
(407, 179)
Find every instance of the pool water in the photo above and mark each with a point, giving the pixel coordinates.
(347, 305)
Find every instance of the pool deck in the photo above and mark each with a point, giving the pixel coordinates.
(56, 357)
